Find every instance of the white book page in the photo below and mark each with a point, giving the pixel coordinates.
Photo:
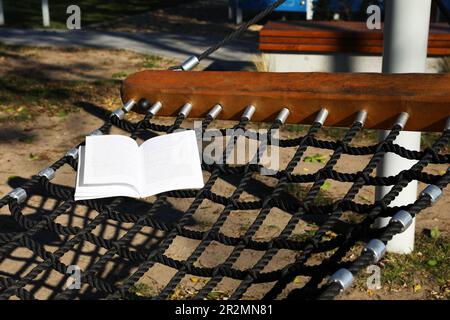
(170, 162)
(111, 159)
(85, 191)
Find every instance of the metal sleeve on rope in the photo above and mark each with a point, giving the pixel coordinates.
(96, 133)
(154, 109)
(129, 105)
(404, 218)
(343, 278)
(19, 194)
(48, 173)
(377, 248)
(361, 117)
(434, 192)
(402, 119)
(214, 112)
(73, 153)
(322, 116)
(186, 109)
(249, 112)
(119, 113)
(190, 63)
(283, 115)
(447, 124)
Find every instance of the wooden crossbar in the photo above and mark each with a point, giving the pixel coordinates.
(426, 97)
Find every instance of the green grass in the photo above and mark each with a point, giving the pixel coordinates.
(300, 192)
(151, 61)
(142, 290)
(428, 265)
(24, 98)
(27, 13)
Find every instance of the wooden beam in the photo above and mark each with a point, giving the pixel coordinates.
(426, 97)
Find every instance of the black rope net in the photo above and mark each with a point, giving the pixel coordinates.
(42, 240)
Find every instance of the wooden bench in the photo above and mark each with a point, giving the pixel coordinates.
(337, 46)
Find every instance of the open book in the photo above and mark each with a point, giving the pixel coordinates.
(115, 165)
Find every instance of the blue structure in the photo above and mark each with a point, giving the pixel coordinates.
(288, 6)
(237, 7)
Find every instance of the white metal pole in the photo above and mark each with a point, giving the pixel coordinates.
(406, 30)
(2, 15)
(45, 13)
(230, 9)
(309, 9)
(239, 13)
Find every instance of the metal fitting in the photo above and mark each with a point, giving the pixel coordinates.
(343, 277)
(249, 112)
(154, 109)
(48, 173)
(190, 63)
(377, 248)
(119, 113)
(402, 119)
(404, 218)
(214, 112)
(143, 104)
(434, 192)
(129, 105)
(185, 110)
(96, 133)
(283, 115)
(73, 153)
(447, 124)
(322, 116)
(19, 194)
(361, 117)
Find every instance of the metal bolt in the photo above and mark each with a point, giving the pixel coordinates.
(143, 104)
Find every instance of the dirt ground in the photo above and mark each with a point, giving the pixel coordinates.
(30, 145)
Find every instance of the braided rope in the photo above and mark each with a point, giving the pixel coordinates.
(145, 259)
